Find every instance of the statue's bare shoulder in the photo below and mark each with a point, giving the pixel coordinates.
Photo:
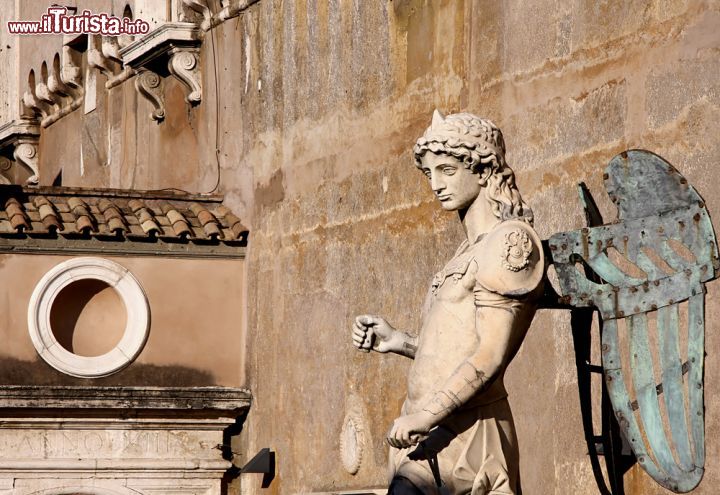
(510, 259)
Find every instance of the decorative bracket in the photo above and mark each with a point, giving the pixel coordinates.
(150, 85)
(184, 65)
(32, 105)
(22, 137)
(110, 48)
(70, 71)
(26, 154)
(43, 92)
(171, 48)
(96, 58)
(64, 86)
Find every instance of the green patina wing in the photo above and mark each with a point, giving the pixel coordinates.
(645, 274)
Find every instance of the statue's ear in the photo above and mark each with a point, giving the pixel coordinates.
(437, 119)
(484, 175)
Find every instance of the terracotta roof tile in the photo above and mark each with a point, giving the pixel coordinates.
(231, 221)
(48, 214)
(177, 220)
(83, 218)
(144, 217)
(16, 214)
(158, 220)
(207, 220)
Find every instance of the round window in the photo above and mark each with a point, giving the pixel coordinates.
(88, 317)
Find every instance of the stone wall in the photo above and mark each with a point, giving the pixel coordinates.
(309, 112)
(331, 96)
(9, 69)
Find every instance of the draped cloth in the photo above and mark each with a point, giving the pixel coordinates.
(475, 451)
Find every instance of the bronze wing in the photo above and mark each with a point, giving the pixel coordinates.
(643, 272)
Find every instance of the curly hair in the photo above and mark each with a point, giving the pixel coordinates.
(479, 144)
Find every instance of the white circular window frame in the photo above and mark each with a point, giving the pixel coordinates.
(136, 307)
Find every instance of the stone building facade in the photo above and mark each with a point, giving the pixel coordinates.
(299, 116)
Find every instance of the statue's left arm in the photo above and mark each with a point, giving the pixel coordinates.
(500, 327)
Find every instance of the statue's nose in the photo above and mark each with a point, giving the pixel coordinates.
(436, 183)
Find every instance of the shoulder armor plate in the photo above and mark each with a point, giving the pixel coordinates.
(510, 259)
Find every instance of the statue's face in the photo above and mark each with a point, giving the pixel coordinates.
(455, 186)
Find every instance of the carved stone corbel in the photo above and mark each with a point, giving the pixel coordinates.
(5, 167)
(70, 71)
(61, 92)
(43, 94)
(96, 58)
(150, 85)
(201, 7)
(110, 47)
(55, 83)
(175, 45)
(32, 105)
(19, 139)
(232, 8)
(184, 64)
(26, 154)
(51, 91)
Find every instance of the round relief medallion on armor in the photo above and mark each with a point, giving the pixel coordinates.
(518, 248)
(54, 345)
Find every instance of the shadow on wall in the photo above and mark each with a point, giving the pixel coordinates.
(17, 372)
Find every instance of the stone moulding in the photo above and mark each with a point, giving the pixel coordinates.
(173, 47)
(22, 137)
(116, 440)
(75, 400)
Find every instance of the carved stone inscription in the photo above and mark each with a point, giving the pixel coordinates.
(68, 444)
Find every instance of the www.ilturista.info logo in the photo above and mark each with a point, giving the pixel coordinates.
(57, 21)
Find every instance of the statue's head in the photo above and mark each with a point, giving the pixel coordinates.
(463, 147)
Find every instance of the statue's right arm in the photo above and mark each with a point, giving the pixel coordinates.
(374, 333)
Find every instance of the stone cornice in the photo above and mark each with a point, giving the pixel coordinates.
(12, 131)
(191, 399)
(159, 42)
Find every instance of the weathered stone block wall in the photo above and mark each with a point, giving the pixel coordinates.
(8, 70)
(326, 101)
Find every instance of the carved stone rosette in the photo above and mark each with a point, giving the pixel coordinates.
(184, 64)
(150, 85)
